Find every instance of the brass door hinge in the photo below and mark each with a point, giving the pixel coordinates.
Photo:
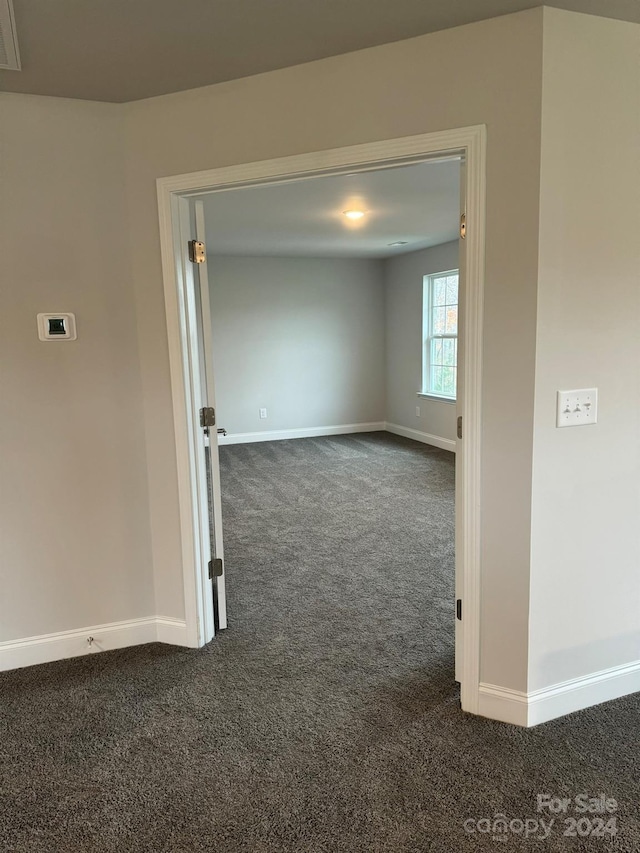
(197, 252)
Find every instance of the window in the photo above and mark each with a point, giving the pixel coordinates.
(440, 334)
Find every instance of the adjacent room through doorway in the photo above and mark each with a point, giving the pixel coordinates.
(334, 311)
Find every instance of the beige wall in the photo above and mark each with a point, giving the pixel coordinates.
(403, 315)
(75, 538)
(585, 589)
(68, 157)
(301, 337)
(491, 73)
(89, 491)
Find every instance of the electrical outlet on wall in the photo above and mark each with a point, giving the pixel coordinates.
(577, 408)
(263, 413)
(417, 411)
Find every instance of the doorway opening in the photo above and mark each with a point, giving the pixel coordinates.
(182, 202)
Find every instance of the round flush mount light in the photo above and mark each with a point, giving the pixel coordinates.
(353, 214)
(398, 243)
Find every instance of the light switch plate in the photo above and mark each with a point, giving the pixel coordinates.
(60, 326)
(577, 408)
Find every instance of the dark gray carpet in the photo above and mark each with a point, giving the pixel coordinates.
(326, 717)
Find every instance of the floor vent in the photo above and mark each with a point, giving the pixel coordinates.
(9, 55)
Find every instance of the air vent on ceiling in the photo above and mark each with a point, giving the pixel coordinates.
(9, 55)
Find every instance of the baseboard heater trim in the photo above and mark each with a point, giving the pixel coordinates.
(45, 648)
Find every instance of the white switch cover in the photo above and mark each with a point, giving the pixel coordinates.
(577, 408)
(263, 413)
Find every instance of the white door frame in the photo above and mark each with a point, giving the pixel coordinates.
(471, 143)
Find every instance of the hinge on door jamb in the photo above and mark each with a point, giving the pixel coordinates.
(207, 417)
(215, 568)
(459, 429)
(459, 609)
(197, 252)
(463, 226)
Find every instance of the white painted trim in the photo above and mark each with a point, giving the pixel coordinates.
(424, 395)
(579, 693)
(302, 432)
(501, 703)
(171, 631)
(70, 644)
(370, 155)
(424, 437)
(215, 589)
(549, 703)
(178, 294)
(470, 143)
(469, 452)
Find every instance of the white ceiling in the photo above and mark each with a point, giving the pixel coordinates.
(419, 204)
(123, 50)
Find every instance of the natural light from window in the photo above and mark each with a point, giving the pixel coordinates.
(440, 334)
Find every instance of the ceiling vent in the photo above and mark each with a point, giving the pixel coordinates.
(9, 55)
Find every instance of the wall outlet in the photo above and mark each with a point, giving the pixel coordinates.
(417, 411)
(577, 408)
(263, 413)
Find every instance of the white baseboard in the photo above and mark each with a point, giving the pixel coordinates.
(579, 693)
(540, 706)
(303, 432)
(341, 429)
(424, 437)
(69, 644)
(171, 631)
(501, 703)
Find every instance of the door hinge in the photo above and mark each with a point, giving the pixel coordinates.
(459, 429)
(463, 226)
(215, 568)
(207, 417)
(459, 609)
(197, 252)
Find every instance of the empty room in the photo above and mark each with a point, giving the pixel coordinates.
(320, 475)
(329, 298)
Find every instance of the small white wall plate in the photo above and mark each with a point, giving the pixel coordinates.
(577, 408)
(57, 327)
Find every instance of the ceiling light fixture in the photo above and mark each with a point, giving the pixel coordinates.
(398, 243)
(353, 214)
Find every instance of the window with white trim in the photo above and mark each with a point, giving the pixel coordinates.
(440, 334)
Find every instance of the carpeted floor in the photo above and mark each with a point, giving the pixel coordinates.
(326, 718)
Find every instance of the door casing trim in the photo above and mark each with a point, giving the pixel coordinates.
(470, 142)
